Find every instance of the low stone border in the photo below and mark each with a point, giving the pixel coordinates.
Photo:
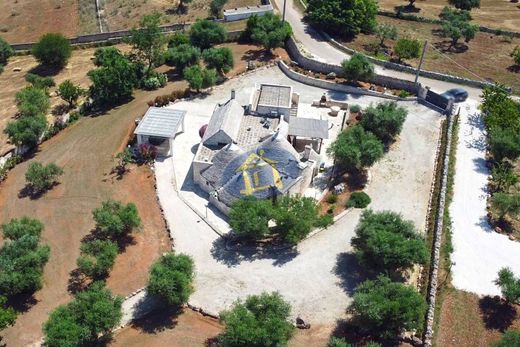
(437, 239)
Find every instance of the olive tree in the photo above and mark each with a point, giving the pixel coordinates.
(385, 32)
(6, 51)
(183, 55)
(52, 49)
(148, 41)
(114, 219)
(205, 34)
(268, 30)
(250, 217)
(358, 67)
(385, 120)
(199, 78)
(70, 93)
(456, 24)
(32, 101)
(509, 285)
(26, 131)
(16, 228)
(97, 258)
(407, 49)
(171, 279)
(220, 59)
(41, 177)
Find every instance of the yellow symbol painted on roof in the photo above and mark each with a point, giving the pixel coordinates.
(251, 171)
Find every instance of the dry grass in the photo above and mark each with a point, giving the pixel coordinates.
(486, 56)
(27, 20)
(499, 14)
(469, 321)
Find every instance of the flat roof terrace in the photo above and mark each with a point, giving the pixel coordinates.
(275, 95)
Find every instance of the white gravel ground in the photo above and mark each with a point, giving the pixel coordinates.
(479, 252)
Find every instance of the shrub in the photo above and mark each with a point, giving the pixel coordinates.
(53, 50)
(171, 279)
(42, 177)
(69, 92)
(506, 203)
(407, 49)
(107, 56)
(204, 33)
(22, 258)
(97, 258)
(384, 32)
(220, 59)
(385, 242)
(7, 314)
(385, 120)
(511, 338)
(404, 94)
(261, 321)
(358, 67)
(199, 78)
(358, 200)
(216, 7)
(154, 81)
(324, 221)
(356, 149)
(268, 30)
(39, 81)
(27, 130)
(355, 108)
(332, 198)
(385, 309)
(504, 142)
(90, 317)
(15, 229)
(516, 55)
(183, 55)
(6, 51)
(113, 219)
(177, 39)
(250, 216)
(344, 17)
(147, 152)
(148, 41)
(32, 101)
(509, 285)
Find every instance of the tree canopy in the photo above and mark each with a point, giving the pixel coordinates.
(509, 285)
(511, 338)
(262, 320)
(385, 309)
(250, 216)
(356, 148)
(358, 67)
(199, 78)
(216, 7)
(53, 50)
(205, 34)
(344, 17)
(268, 30)
(456, 24)
(22, 258)
(69, 92)
(407, 49)
(6, 51)
(467, 5)
(385, 120)
(171, 278)
(386, 243)
(26, 130)
(386, 31)
(183, 55)
(220, 59)
(295, 217)
(114, 219)
(7, 314)
(32, 101)
(91, 316)
(148, 41)
(107, 56)
(42, 177)
(97, 258)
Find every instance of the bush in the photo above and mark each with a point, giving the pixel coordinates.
(407, 49)
(358, 200)
(358, 67)
(15, 229)
(261, 321)
(504, 143)
(385, 242)
(155, 80)
(343, 17)
(26, 131)
(53, 50)
(107, 56)
(509, 285)
(177, 39)
(511, 338)
(42, 177)
(70, 93)
(7, 314)
(385, 120)
(6, 51)
(171, 278)
(355, 108)
(268, 30)
(183, 55)
(385, 309)
(456, 24)
(250, 216)
(146, 152)
(356, 149)
(324, 221)
(199, 78)
(113, 219)
(500, 110)
(90, 317)
(204, 34)
(22, 259)
(404, 94)
(97, 258)
(516, 55)
(39, 81)
(216, 7)
(332, 198)
(32, 101)
(220, 59)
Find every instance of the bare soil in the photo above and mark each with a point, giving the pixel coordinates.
(468, 320)
(499, 14)
(487, 56)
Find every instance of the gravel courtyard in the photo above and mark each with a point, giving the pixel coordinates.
(318, 276)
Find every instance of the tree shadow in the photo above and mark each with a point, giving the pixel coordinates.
(261, 55)
(232, 254)
(496, 313)
(158, 320)
(407, 9)
(77, 282)
(348, 271)
(514, 68)
(31, 193)
(447, 46)
(21, 302)
(46, 71)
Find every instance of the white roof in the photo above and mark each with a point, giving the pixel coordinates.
(160, 122)
(309, 127)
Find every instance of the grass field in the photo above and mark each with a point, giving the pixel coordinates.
(499, 14)
(486, 56)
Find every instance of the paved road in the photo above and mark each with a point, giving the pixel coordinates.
(317, 46)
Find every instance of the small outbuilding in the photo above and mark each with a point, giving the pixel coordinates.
(308, 131)
(159, 127)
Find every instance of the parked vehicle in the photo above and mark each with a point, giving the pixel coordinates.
(457, 94)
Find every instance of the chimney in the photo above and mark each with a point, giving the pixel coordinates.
(307, 152)
(232, 94)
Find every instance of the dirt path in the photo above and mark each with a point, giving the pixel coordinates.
(85, 151)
